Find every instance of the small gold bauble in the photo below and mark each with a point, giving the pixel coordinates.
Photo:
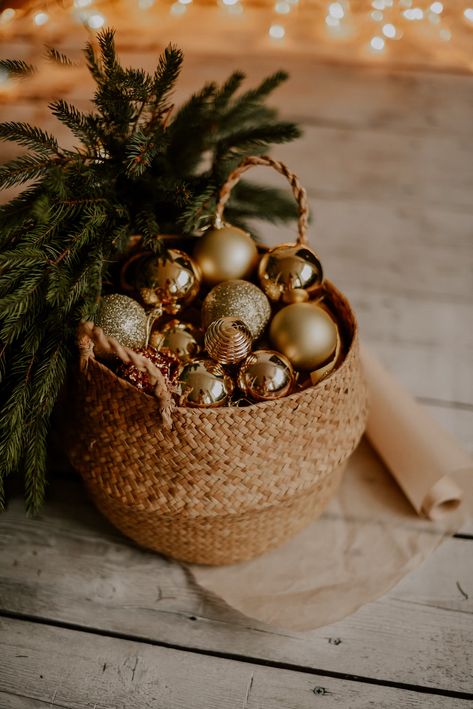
(266, 375)
(305, 333)
(241, 300)
(171, 279)
(228, 340)
(180, 338)
(224, 254)
(291, 273)
(124, 319)
(205, 384)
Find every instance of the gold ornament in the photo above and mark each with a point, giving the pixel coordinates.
(205, 384)
(180, 338)
(171, 279)
(241, 300)
(228, 340)
(124, 319)
(291, 273)
(225, 253)
(306, 334)
(266, 375)
(322, 372)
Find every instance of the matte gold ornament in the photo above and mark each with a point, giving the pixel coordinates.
(205, 384)
(225, 253)
(266, 375)
(179, 338)
(171, 279)
(291, 273)
(306, 334)
(241, 300)
(228, 340)
(124, 319)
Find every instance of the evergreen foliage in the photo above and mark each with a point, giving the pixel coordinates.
(140, 166)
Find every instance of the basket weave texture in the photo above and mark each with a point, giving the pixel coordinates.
(223, 485)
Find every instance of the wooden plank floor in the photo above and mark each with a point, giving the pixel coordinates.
(89, 620)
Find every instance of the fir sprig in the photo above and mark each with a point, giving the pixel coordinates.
(139, 166)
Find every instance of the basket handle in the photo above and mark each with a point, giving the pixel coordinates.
(298, 191)
(92, 340)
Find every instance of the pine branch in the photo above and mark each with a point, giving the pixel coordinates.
(29, 136)
(58, 57)
(22, 169)
(17, 68)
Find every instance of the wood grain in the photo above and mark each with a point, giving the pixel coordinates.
(70, 566)
(42, 665)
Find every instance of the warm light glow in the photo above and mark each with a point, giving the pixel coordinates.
(377, 16)
(445, 35)
(282, 7)
(414, 13)
(7, 15)
(335, 10)
(389, 30)
(177, 9)
(229, 2)
(96, 21)
(82, 3)
(276, 31)
(145, 4)
(188, 2)
(377, 44)
(332, 21)
(437, 7)
(468, 14)
(378, 4)
(40, 18)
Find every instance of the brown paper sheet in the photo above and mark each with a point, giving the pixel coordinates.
(370, 536)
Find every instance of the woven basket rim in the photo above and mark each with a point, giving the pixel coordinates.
(252, 405)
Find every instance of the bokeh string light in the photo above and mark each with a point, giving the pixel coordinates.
(425, 31)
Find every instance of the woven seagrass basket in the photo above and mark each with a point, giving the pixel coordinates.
(220, 485)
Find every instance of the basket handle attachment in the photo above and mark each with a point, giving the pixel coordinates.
(298, 191)
(91, 340)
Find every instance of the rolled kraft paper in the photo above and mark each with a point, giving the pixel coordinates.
(419, 453)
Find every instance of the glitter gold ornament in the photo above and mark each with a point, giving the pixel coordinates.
(291, 273)
(266, 375)
(124, 319)
(228, 340)
(205, 384)
(180, 338)
(171, 279)
(166, 362)
(306, 334)
(224, 254)
(241, 300)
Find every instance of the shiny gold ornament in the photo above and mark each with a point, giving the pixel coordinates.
(241, 300)
(322, 372)
(179, 338)
(291, 273)
(266, 375)
(228, 340)
(167, 363)
(171, 279)
(124, 319)
(205, 384)
(224, 254)
(306, 334)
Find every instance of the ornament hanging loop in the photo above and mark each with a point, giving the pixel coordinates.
(298, 191)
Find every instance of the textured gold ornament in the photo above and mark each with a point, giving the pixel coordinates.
(124, 319)
(171, 279)
(228, 340)
(180, 338)
(291, 273)
(205, 384)
(306, 334)
(224, 254)
(241, 300)
(266, 375)
(167, 363)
